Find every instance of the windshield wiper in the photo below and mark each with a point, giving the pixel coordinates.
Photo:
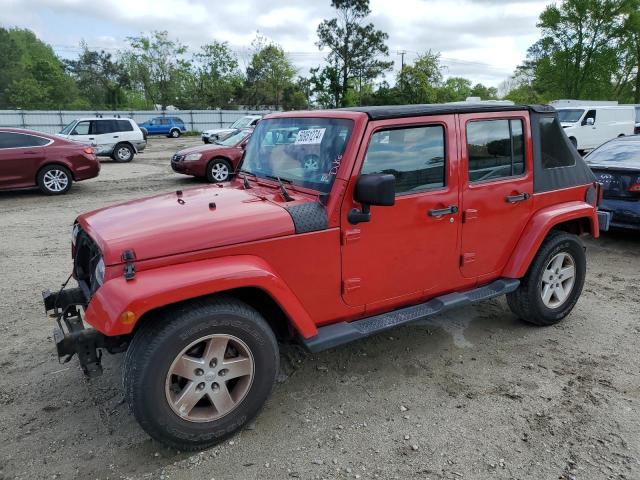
(283, 190)
(245, 182)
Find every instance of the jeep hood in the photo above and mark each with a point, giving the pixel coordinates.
(174, 223)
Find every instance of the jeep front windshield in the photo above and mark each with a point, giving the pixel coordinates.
(570, 115)
(304, 151)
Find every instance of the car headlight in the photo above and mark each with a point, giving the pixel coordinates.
(99, 272)
(192, 157)
(74, 234)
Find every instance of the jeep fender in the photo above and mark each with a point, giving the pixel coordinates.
(539, 226)
(155, 288)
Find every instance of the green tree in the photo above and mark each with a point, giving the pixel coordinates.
(455, 89)
(157, 67)
(420, 82)
(217, 78)
(269, 74)
(357, 49)
(101, 80)
(31, 76)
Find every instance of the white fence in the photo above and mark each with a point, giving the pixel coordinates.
(51, 121)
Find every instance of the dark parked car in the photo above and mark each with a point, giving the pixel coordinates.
(169, 126)
(616, 165)
(29, 158)
(215, 162)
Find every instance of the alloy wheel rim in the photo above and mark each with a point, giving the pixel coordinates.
(55, 180)
(174, 133)
(209, 378)
(311, 163)
(219, 171)
(124, 153)
(558, 280)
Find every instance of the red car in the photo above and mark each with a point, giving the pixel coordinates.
(29, 158)
(405, 212)
(215, 162)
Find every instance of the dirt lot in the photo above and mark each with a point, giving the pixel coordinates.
(473, 394)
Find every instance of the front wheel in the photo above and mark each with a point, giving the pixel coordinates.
(199, 372)
(218, 170)
(553, 283)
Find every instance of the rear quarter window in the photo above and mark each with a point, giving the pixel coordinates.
(19, 140)
(554, 145)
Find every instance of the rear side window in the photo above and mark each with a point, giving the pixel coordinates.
(496, 149)
(415, 156)
(123, 126)
(553, 144)
(19, 140)
(178, 121)
(104, 126)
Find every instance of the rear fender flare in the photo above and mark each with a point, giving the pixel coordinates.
(155, 288)
(538, 228)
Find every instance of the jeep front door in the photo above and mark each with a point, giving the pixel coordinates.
(407, 250)
(497, 184)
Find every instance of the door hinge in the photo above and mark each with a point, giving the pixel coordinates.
(351, 284)
(350, 235)
(466, 258)
(469, 214)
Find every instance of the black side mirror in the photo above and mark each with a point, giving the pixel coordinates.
(372, 189)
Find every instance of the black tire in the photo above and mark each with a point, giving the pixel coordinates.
(161, 339)
(123, 153)
(174, 133)
(54, 180)
(216, 168)
(527, 303)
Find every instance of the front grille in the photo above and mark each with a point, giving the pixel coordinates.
(87, 255)
(177, 158)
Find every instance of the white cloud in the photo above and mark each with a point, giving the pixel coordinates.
(481, 39)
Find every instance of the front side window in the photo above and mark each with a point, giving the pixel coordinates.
(495, 148)
(304, 151)
(19, 140)
(82, 128)
(591, 114)
(413, 155)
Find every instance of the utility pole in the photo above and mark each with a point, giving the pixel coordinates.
(402, 53)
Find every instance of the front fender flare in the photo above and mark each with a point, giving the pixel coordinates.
(155, 288)
(538, 228)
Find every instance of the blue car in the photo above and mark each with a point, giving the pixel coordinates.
(169, 126)
(616, 165)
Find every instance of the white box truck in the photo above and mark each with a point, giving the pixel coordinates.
(588, 126)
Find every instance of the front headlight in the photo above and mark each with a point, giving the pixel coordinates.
(99, 273)
(192, 157)
(74, 234)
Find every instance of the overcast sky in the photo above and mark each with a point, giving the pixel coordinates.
(483, 40)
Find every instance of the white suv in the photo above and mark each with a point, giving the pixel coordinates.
(118, 138)
(248, 121)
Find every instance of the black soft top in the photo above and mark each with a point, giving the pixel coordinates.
(402, 111)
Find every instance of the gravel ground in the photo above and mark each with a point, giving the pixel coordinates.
(473, 394)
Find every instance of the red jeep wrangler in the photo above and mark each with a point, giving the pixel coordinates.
(404, 213)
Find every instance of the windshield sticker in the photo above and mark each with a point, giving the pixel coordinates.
(312, 136)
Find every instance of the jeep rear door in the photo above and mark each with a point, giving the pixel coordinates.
(408, 250)
(497, 183)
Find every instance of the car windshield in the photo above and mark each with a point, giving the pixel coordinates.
(242, 122)
(304, 151)
(617, 153)
(233, 139)
(66, 130)
(568, 115)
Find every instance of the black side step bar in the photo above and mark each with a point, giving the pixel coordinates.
(345, 332)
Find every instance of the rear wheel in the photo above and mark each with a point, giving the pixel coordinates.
(174, 133)
(553, 283)
(197, 374)
(123, 153)
(218, 170)
(54, 180)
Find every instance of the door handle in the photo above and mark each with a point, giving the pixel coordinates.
(116, 136)
(517, 198)
(438, 212)
(91, 138)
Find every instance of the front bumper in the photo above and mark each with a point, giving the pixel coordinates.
(71, 337)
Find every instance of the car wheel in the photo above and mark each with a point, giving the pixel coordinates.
(175, 133)
(218, 170)
(552, 285)
(197, 374)
(54, 180)
(311, 162)
(123, 153)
